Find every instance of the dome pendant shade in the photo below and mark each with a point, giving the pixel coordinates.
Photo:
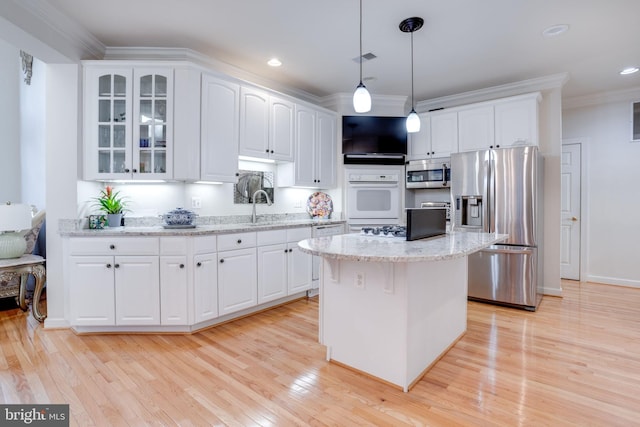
(413, 122)
(361, 99)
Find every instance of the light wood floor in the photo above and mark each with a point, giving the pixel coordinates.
(576, 361)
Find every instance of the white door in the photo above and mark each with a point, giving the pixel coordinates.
(174, 301)
(205, 277)
(299, 270)
(570, 212)
(272, 272)
(137, 286)
(237, 280)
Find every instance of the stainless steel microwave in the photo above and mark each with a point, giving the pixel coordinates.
(431, 173)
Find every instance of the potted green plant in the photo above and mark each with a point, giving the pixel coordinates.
(111, 203)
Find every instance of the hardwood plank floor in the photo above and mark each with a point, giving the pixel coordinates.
(576, 361)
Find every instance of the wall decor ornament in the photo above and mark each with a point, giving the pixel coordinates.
(27, 66)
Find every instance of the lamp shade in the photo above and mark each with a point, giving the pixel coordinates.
(413, 122)
(15, 217)
(361, 99)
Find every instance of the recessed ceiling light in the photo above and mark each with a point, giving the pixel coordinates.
(555, 30)
(274, 62)
(629, 70)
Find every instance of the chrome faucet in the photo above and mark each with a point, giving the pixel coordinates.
(253, 200)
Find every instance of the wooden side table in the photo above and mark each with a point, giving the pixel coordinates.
(21, 268)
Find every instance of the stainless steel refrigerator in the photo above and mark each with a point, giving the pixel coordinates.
(500, 191)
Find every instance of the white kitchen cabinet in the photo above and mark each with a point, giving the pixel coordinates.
(299, 264)
(254, 122)
(272, 254)
(476, 128)
(266, 125)
(174, 280)
(137, 288)
(281, 129)
(186, 123)
(272, 272)
(91, 290)
(516, 121)
(326, 150)
(419, 143)
(205, 278)
(128, 124)
(114, 281)
(237, 280)
(282, 268)
(219, 133)
(315, 151)
(444, 132)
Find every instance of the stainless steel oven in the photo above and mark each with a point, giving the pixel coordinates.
(373, 196)
(431, 173)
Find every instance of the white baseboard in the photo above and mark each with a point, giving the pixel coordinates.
(52, 323)
(555, 292)
(614, 281)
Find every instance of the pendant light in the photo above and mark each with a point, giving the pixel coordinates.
(361, 97)
(410, 25)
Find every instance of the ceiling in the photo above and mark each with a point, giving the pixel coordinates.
(464, 44)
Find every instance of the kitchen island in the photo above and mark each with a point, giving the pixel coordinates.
(389, 307)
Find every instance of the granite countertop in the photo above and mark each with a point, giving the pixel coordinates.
(357, 247)
(199, 230)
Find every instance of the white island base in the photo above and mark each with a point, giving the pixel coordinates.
(392, 320)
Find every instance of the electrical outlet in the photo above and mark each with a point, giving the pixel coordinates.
(297, 203)
(196, 202)
(359, 280)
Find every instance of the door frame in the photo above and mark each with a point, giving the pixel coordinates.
(584, 201)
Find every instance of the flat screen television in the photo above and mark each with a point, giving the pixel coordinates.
(374, 139)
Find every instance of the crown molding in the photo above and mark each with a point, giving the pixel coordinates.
(383, 105)
(510, 89)
(73, 34)
(623, 95)
(184, 54)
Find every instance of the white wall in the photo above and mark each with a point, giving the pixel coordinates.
(217, 199)
(10, 188)
(613, 179)
(32, 136)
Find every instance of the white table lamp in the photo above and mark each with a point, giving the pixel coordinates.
(13, 218)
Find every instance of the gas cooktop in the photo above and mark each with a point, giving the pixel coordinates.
(385, 231)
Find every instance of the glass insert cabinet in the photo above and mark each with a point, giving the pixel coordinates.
(128, 123)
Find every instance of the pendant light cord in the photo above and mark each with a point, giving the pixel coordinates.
(360, 59)
(412, 105)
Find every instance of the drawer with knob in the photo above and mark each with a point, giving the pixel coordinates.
(114, 246)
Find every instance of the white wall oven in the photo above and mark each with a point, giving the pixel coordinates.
(374, 196)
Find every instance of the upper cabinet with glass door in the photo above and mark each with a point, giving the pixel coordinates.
(153, 125)
(128, 123)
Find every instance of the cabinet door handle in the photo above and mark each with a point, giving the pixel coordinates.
(181, 265)
(239, 241)
(112, 247)
(135, 171)
(198, 264)
(222, 260)
(127, 170)
(286, 250)
(117, 266)
(267, 150)
(108, 265)
(291, 250)
(271, 151)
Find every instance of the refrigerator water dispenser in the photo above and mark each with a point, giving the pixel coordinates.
(469, 211)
